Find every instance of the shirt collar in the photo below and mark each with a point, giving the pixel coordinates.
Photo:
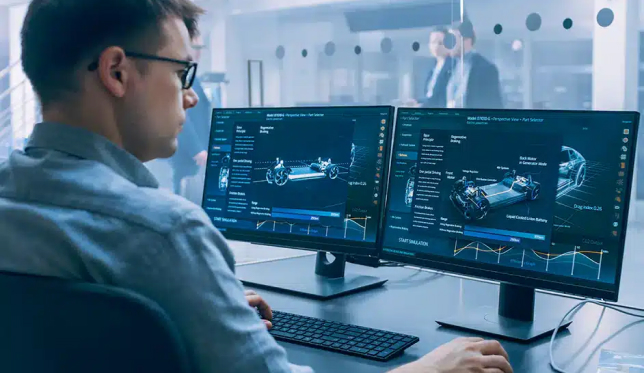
(85, 144)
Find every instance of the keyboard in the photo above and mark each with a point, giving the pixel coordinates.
(343, 338)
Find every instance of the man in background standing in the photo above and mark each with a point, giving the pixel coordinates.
(474, 83)
(192, 150)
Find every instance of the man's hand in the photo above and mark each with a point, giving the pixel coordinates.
(462, 355)
(258, 302)
(201, 159)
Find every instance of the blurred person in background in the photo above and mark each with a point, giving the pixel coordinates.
(435, 86)
(192, 149)
(474, 83)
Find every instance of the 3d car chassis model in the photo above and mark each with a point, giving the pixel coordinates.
(279, 174)
(475, 202)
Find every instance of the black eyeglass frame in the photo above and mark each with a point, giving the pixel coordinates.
(187, 80)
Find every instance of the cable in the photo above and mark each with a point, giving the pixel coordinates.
(578, 307)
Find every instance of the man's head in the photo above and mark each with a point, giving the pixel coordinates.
(465, 37)
(437, 43)
(89, 62)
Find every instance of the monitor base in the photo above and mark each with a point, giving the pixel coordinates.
(296, 277)
(486, 320)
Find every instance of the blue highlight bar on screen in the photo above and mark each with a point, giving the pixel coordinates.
(222, 148)
(306, 215)
(500, 234)
(409, 156)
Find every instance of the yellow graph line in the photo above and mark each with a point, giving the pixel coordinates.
(576, 252)
(271, 221)
(488, 250)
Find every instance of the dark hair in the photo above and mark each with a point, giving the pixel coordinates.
(466, 29)
(440, 29)
(59, 35)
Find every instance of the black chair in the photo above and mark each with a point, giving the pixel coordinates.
(50, 325)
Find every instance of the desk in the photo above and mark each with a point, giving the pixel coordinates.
(411, 301)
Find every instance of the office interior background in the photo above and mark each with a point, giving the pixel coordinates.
(551, 54)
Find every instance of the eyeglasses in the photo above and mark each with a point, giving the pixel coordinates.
(187, 76)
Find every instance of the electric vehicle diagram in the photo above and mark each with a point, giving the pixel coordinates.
(224, 173)
(572, 170)
(409, 190)
(475, 202)
(279, 174)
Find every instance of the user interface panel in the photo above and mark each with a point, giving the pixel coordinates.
(299, 177)
(513, 195)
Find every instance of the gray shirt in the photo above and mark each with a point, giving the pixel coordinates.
(76, 206)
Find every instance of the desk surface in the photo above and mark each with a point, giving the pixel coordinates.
(411, 301)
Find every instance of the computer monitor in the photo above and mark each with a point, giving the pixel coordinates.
(534, 199)
(304, 178)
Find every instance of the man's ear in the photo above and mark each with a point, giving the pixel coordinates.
(113, 70)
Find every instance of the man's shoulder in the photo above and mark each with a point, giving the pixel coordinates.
(478, 60)
(93, 187)
(160, 209)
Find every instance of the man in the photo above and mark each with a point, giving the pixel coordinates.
(436, 83)
(192, 153)
(474, 83)
(78, 202)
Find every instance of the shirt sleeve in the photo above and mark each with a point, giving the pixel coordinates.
(192, 279)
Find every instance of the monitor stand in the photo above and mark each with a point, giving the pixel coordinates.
(294, 276)
(514, 320)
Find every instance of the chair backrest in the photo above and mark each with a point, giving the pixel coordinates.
(50, 325)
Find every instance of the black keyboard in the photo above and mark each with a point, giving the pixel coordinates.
(343, 338)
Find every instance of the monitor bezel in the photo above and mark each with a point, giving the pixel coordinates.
(441, 263)
(335, 246)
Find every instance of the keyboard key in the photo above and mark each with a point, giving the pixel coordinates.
(299, 337)
(385, 353)
(397, 345)
(327, 338)
(327, 343)
(360, 345)
(372, 353)
(346, 347)
(407, 339)
(359, 350)
(280, 333)
(317, 340)
(307, 339)
(379, 349)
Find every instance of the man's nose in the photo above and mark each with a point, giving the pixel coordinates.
(190, 99)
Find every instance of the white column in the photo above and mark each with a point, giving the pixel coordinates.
(23, 101)
(527, 75)
(616, 68)
(616, 57)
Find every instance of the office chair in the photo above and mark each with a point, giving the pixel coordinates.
(50, 325)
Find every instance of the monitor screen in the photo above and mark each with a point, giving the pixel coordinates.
(537, 198)
(300, 177)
